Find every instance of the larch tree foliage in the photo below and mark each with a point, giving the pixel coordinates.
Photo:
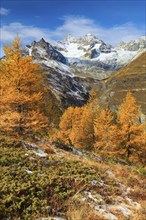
(83, 125)
(77, 124)
(21, 92)
(105, 132)
(76, 131)
(92, 110)
(131, 139)
(65, 125)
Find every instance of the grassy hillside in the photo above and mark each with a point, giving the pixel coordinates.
(132, 78)
(38, 180)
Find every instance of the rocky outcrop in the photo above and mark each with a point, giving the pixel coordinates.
(105, 48)
(44, 50)
(68, 90)
(133, 45)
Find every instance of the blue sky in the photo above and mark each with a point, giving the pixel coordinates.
(111, 21)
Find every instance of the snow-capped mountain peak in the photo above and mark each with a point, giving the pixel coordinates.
(134, 45)
(71, 63)
(44, 51)
(69, 39)
(86, 55)
(87, 47)
(89, 39)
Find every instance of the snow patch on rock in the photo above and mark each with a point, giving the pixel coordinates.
(29, 171)
(41, 153)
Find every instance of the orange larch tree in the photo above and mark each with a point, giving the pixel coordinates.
(83, 130)
(65, 125)
(105, 132)
(131, 139)
(83, 125)
(77, 124)
(75, 133)
(21, 92)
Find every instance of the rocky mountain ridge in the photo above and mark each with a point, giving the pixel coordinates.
(133, 45)
(44, 50)
(90, 55)
(83, 44)
(63, 84)
(88, 51)
(74, 66)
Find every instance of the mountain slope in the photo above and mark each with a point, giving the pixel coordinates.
(67, 88)
(132, 78)
(92, 57)
(44, 181)
(74, 66)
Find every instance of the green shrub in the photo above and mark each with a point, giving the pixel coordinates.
(142, 171)
(32, 186)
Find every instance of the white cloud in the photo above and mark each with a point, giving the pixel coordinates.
(27, 33)
(77, 26)
(4, 11)
(125, 32)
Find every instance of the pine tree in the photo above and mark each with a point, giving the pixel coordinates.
(22, 90)
(105, 132)
(131, 133)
